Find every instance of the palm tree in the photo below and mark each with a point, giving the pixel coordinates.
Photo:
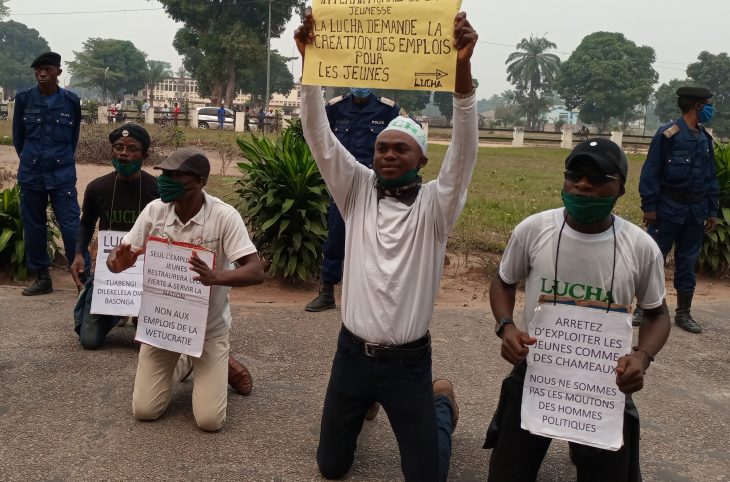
(531, 69)
(157, 70)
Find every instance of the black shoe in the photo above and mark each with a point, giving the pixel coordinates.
(324, 301)
(684, 320)
(41, 286)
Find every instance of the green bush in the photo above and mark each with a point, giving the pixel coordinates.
(284, 200)
(12, 244)
(6, 141)
(715, 253)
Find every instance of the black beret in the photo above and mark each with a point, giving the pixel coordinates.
(47, 58)
(134, 131)
(699, 93)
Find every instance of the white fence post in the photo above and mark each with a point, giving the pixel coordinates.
(566, 141)
(193, 119)
(101, 113)
(238, 124)
(11, 111)
(518, 137)
(149, 115)
(617, 137)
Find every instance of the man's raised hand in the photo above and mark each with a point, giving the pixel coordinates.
(123, 257)
(304, 34)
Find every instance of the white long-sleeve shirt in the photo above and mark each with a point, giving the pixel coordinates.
(394, 253)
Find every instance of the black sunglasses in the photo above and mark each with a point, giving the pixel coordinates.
(594, 179)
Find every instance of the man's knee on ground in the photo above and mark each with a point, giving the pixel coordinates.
(210, 422)
(90, 343)
(144, 410)
(332, 468)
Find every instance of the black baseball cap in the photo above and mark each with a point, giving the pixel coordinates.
(188, 160)
(606, 154)
(135, 131)
(47, 58)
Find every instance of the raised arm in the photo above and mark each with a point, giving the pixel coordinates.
(461, 155)
(339, 168)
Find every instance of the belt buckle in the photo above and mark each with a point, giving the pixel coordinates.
(372, 349)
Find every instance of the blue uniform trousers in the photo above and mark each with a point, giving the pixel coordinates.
(687, 240)
(422, 425)
(33, 205)
(333, 250)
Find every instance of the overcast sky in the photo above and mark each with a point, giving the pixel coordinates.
(676, 29)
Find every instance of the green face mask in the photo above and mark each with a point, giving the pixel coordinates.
(127, 169)
(169, 188)
(587, 210)
(403, 180)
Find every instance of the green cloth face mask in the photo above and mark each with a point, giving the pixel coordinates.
(170, 189)
(587, 210)
(407, 178)
(127, 169)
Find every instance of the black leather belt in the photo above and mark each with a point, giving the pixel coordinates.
(683, 197)
(411, 350)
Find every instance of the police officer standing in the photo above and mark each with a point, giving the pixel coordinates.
(680, 193)
(45, 135)
(356, 120)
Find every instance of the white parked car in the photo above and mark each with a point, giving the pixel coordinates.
(208, 118)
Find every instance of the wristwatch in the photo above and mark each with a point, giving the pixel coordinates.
(501, 323)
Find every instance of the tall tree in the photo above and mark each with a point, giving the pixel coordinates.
(532, 70)
(19, 45)
(4, 10)
(157, 70)
(115, 66)
(607, 76)
(713, 71)
(221, 39)
(253, 82)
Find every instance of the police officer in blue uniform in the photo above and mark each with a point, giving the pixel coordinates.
(680, 193)
(356, 119)
(45, 134)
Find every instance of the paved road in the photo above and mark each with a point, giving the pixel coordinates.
(65, 413)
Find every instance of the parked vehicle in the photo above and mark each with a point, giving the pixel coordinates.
(208, 118)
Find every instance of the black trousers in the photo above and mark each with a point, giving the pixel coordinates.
(517, 454)
(422, 425)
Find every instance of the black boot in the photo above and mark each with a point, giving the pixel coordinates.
(325, 300)
(41, 286)
(683, 317)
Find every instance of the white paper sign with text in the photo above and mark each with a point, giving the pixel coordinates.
(118, 294)
(570, 390)
(174, 310)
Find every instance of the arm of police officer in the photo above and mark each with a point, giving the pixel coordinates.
(653, 334)
(502, 301)
(18, 125)
(248, 271)
(649, 182)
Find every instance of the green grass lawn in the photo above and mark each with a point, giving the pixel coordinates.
(508, 185)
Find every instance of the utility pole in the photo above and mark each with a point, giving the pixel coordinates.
(268, 60)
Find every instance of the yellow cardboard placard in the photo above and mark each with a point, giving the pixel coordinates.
(386, 44)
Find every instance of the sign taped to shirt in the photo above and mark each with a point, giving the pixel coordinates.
(118, 294)
(174, 311)
(570, 390)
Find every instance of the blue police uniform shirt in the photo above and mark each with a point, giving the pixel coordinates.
(357, 126)
(685, 163)
(45, 138)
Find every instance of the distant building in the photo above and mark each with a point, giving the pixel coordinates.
(560, 113)
(179, 89)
